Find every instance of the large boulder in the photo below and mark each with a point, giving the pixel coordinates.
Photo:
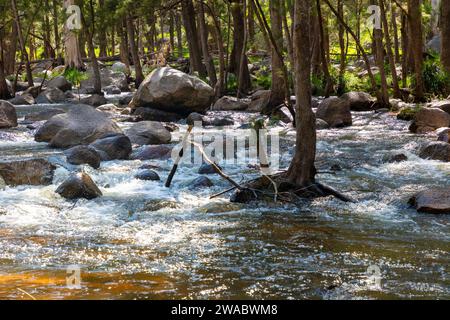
(95, 100)
(359, 101)
(443, 105)
(113, 147)
(83, 155)
(149, 114)
(161, 152)
(80, 125)
(120, 67)
(434, 200)
(61, 83)
(23, 99)
(335, 111)
(79, 186)
(429, 119)
(8, 115)
(259, 101)
(149, 132)
(51, 95)
(227, 103)
(436, 150)
(108, 77)
(171, 90)
(43, 115)
(27, 172)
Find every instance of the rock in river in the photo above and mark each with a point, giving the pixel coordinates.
(27, 172)
(113, 147)
(170, 90)
(429, 119)
(83, 155)
(148, 175)
(435, 200)
(149, 132)
(335, 111)
(8, 115)
(436, 150)
(78, 186)
(80, 125)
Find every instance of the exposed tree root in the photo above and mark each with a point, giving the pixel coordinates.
(277, 188)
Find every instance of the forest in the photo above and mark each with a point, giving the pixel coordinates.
(224, 149)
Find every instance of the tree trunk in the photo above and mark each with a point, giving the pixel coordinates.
(22, 43)
(179, 35)
(73, 59)
(445, 34)
(56, 32)
(4, 92)
(237, 11)
(124, 53)
(302, 171)
(210, 68)
(220, 86)
(378, 40)
(416, 44)
(102, 39)
(325, 69)
(395, 32)
(172, 31)
(91, 49)
(9, 52)
(190, 26)
(342, 56)
(134, 51)
(278, 88)
(390, 54)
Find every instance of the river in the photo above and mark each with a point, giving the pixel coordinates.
(144, 241)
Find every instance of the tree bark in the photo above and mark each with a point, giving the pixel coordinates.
(73, 58)
(416, 45)
(390, 54)
(278, 88)
(89, 32)
(190, 26)
(22, 43)
(210, 68)
(179, 35)
(445, 34)
(237, 11)
(134, 51)
(302, 170)
(102, 39)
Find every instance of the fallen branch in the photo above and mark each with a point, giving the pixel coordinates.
(180, 156)
(215, 167)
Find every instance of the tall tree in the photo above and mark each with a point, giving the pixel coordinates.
(22, 43)
(134, 50)
(239, 61)
(72, 51)
(302, 170)
(445, 34)
(278, 84)
(416, 46)
(190, 26)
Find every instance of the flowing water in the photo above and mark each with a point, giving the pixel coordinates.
(143, 241)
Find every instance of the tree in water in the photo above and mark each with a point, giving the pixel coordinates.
(302, 170)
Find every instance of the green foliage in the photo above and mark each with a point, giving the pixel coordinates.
(75, 76)
(408, 113)
(436, 80)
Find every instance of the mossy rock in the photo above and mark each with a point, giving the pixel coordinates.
(408, 113)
